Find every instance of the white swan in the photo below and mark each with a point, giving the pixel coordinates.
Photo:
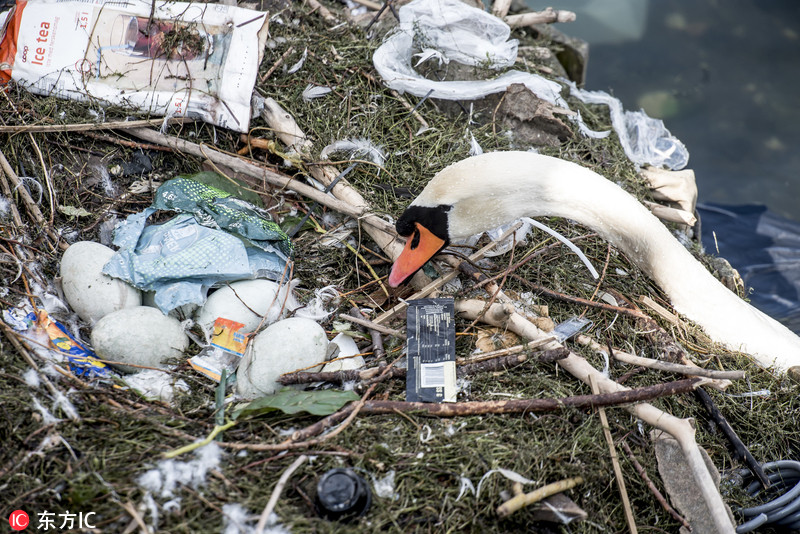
(483, 192)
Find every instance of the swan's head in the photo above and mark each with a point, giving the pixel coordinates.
(426, 231)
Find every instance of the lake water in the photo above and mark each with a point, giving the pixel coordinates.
(724, 76)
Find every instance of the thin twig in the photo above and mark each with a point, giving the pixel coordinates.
(504, 352)
(602, 277)
(372, 325)
(626, 503)
(276, 493)
(277, 64)
(577, 300)
(546, 16)
(738, 445)
(375, 334)
(33, 210)
(653, 489)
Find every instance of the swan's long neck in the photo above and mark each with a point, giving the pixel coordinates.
(492, 189)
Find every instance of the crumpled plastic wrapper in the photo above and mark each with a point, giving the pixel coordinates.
(216, 238)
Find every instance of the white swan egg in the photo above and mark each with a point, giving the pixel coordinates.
(288, 345)
(89, 292)
(140, 336)
(246, 302)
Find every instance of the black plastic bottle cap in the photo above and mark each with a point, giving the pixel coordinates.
(342, 495)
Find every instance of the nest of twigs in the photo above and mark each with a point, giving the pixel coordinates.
(79, 178)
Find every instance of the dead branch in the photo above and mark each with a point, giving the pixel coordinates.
(276, 493)
(676, 367)
(719, 381)
(500, 8)
(502, 352)
(456, 409)
(547, 16)
(251, 169)
(372, 326)
(33, 210)
(510, 361)
(87, 127)
(525, 499)
(541, 290)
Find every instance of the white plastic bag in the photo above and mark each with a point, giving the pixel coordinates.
(459, 33)
(450, 30)
(646, 140)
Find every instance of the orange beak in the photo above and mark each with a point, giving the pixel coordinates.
(421, 246)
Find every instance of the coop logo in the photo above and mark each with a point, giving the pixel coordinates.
(51, 521)
(18, 520)
(24, 60)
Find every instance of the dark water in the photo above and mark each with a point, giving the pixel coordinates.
(723, 74)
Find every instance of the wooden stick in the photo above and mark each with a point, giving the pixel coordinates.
(500, 8)
(666, 213)
(360, 212)
(717, 383)
(578, 300)
(524, 499)
(455, 409)
(324, 11)
(368, 4)
(6, 190)
(503, 352)
(676, 367)
(623, 492)
(277, 64)
(547, 16)
(377, 336)
(86, 127)
(510, 361)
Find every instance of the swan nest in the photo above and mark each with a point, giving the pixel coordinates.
(75, 445)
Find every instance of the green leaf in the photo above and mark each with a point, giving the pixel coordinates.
(72, 211)
(291, 401)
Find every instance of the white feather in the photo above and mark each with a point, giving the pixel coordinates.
(355, 149)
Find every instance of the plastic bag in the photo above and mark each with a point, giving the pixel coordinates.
(217, 238)
(646, 140)
(459, 33)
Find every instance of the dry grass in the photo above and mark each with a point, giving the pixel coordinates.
(93, 464)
